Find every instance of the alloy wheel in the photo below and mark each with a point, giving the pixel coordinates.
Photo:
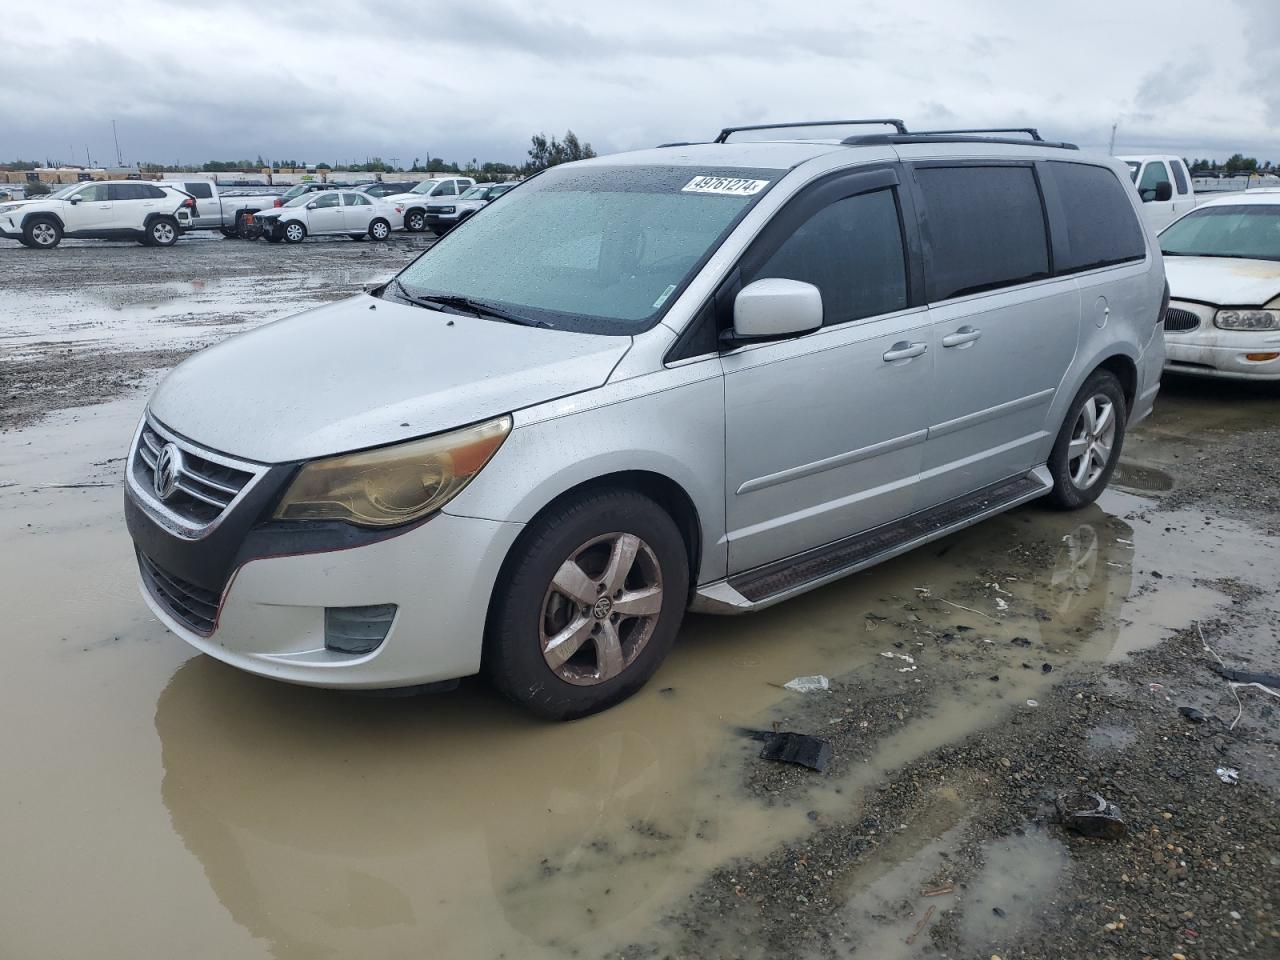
(1092, 438)
(293, 232)
(600, 609)
(380, 231)
(163, 233)
(44, 234)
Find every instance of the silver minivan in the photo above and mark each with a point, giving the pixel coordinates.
(705, 376)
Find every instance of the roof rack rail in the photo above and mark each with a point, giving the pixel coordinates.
(1030, 131)
(727, 132)
(891, 139)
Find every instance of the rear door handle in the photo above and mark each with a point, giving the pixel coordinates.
(904, 350)
(961, 337)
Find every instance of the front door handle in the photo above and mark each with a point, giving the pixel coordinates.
(962, 336)
(904, 350)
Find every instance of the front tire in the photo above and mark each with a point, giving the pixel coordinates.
(231, 233)
(588, 606)
(42, 233)
(379, 229)
(1089, 443)
(415, 221)
(294, 232)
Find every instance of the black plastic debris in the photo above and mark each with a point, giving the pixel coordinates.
(1046, 668)
(798, 748)
(1192, 714)
(999, 912)
(1090, 815)
(1245, 676)
(1020, 642)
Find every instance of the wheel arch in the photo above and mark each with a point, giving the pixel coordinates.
(666, 492)
(43, 215)
(1126, 371)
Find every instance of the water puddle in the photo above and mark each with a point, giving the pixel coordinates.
(1012, 892)
(258, 819)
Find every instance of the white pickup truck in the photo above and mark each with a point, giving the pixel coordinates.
(218, 209)
(1164, 186)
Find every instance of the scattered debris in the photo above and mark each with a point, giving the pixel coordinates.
(798, 748)
(1046, 668)
(889, 654)
(1033, 703)
(941, 891)
(1001, 604)
(1021, 642)
(999, 912)
(1228, 774)
(1192, 714)
(808, 684)
(921, 925)
(1090, 815)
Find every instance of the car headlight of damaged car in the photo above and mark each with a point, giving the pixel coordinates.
(396, 484)
(1248, 319)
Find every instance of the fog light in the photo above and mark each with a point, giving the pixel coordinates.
(357, 629)
(1261, 356)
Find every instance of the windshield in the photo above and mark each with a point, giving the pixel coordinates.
(425, 186)
(499, 190)
(596, 249)
(1134, 167)
(296, 191)
(301, 200)
(1233, 230)
(475, 193)
(65, 191)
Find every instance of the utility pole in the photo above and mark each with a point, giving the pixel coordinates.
(1112, 149)
(116, 137)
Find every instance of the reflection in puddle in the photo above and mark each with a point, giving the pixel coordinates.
(1019, 876)
(288, 822)
(1139, 478)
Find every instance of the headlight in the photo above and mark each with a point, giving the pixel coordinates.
(396, 484)
(7, 208)
(1248, 319)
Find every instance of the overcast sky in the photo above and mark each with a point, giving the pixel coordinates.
(331, 80)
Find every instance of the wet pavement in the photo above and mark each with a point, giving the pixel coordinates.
(157, 802)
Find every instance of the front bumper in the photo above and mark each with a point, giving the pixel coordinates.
(1212, 352)
(270, 618)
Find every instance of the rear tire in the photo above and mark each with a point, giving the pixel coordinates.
(379, 229)
(588, 606)
(42, 233)
(162, 232)
(272, 238)
(294, 232)
(1088, 446)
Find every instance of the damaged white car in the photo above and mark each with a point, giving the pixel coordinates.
(1223, 265)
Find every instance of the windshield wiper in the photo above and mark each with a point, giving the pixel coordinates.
(477, 307)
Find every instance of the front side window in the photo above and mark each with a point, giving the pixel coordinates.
(986, 228)
(1101, 225)
(201, 191)
(447, 189)
(596, 249)
(93, 193)
(1237, 231)
(852, 251)
(327, 200)
(1153, 174)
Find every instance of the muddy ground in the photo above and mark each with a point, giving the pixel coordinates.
(158, 803)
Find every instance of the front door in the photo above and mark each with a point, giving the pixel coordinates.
(825, 432)
(326, 216)
(89, 208)
(1005, 333)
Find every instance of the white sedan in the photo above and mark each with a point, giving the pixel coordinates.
(331, 212)
(1222, 261)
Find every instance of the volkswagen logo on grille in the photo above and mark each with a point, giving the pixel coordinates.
(168, 469)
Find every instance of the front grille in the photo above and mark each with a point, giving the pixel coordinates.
(194, 607)
(1177, 320)
(205, 488)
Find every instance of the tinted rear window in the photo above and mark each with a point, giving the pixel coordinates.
(1102, 227)
(986, 229)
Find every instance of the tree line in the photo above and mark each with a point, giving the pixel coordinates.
(543, 152)
(1236, 165)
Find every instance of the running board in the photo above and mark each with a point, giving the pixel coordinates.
(781, 579)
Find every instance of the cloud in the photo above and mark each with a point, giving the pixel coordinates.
(340, 81)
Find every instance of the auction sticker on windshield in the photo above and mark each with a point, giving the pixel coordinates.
(734, 186)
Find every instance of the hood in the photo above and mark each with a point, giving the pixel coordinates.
(347, 376)
(407, 198)
(1222, 281)
(30, 201)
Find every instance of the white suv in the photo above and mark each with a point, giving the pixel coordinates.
(154, 214)
(709, 377)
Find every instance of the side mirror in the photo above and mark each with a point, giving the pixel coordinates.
(312, 205)
(1164, 191)
(73, 200)
(775, 307)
